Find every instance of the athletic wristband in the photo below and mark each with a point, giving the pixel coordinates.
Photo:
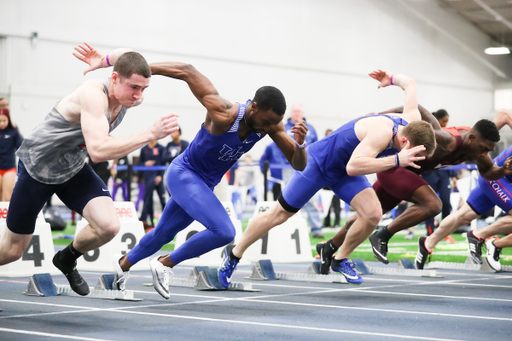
(301, 146)
(108, 63)
(391, 78)
(397, 161)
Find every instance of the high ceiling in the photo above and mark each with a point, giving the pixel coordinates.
(493, 17)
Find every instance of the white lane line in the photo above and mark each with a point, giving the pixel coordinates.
(60, 336)
(380, 310)
(438, 296)
(47, 314)
(285, 326)
(482, 285)
(262, 300)
(47, 304)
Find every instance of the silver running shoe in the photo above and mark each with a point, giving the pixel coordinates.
(161, 277)
(493, 255)
(120, 276)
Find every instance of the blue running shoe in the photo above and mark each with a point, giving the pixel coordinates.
(227, 267)
(346, 268)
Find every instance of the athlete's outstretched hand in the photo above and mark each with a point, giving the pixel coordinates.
(300, 130)
(507, 166)
(90, 56)
(408, 156)
(384, 77)
(166, 125)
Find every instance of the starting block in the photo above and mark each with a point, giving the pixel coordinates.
(406, 263)
(468, 265)
(206, 278)
(314, 268)
(361, 267)
(405, 267)
(263, 270)
(42, 285)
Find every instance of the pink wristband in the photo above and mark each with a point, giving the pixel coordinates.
(108, 63)
(301, 146)
(391, 77)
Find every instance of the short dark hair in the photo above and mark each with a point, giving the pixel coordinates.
(487, 130)
(270, 98)
(132, 62)
(440, 114)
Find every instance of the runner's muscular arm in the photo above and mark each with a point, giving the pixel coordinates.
(364, 157)
(95, 127)
(217, 106)
(425, 115)
(490, 171)
(410, 109)
(502, 118)
(297, 157)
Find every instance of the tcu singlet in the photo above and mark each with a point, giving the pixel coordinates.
(334, 151)
(211, 156)
(55, 151)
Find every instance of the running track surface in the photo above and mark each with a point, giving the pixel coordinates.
(463, 305)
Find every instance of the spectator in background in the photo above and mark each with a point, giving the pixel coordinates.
(10, 141)
(275, 158)
(139, 179)
(152, 155)
(335, 204)
(246, 179)
(120, 177)
(440, 182)
(175, 147)
(311, 207)
(4, 103)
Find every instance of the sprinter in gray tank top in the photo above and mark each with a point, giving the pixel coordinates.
(52, 158)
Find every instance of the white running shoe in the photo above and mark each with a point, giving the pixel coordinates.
(120, 276)
(161, 277)
(493, 255)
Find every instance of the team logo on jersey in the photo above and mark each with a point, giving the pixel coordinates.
(499, 190)
(230, 154)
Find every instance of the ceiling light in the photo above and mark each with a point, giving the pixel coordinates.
(497, 50)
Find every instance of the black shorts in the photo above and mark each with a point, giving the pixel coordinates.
(30, 195)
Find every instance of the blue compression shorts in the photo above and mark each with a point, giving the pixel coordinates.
(304, 185)
(489, 194)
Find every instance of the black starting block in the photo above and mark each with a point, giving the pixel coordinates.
(42, 285)
(406, 263)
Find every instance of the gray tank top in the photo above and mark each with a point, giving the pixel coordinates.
(55, 151)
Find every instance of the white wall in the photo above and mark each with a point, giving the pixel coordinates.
(318, 52)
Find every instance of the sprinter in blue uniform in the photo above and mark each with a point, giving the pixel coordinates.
(229, 131)
(485, 196)
(368, 144)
